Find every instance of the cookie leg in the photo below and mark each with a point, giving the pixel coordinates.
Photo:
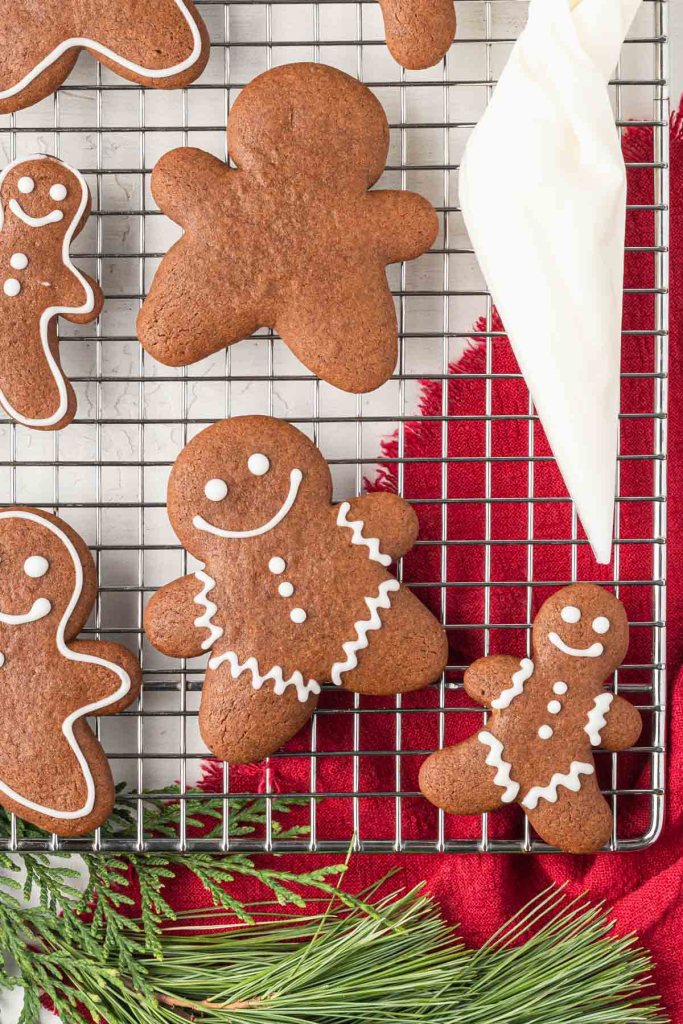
(30, 38)
(419, 32)
(240, 724)
(459, 781)
(578, 822)
(33, 388)
(408, 652)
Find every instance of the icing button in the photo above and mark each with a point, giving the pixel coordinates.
(18, 261)
(560, 687)
(277, 565)
(2, 659)
(11, 287)
(545, 732)
(554, 707)
(285, 589)
(298, 615)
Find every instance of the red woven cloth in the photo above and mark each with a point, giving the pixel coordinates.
(644, 889)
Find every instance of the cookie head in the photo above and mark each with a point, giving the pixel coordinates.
(43, 192)
(242, 480)
(41, 574)
(582, 629)
(299, 116)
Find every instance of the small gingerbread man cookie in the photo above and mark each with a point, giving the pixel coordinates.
(293, 591)
(53, 771)
(44, 204)
(547, 715)
(419, 32)
(291, 239)
(157, 43)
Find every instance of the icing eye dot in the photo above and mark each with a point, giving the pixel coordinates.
(560, 687)
(18, 261)
(277, 565)
(258, 464)
(545, 732)
(285, 589)
(36, 566)
(59, 193)
(216, 490)
(601, 624)
(298, 615)
(11, 287)
(26, 185)
(570, 614)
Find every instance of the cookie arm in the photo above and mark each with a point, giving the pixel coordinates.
(76, 296)
(182, 180)
(96, 682)
(488, 678)
(386, 517)
(623, 727)
(405, 222)
(171, 619)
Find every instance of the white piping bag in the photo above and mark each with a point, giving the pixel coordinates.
(543, 194)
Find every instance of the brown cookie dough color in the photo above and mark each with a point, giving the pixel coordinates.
(53, 771)
(156, 43)
(292, 239)
(44, 204)
(294, 591)
(419, 32)
(547, 715)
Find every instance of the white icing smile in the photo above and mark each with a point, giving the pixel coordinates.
(594, 651)
(53, 217)
(39, 610)
(295, 478)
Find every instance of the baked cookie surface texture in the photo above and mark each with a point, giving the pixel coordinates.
(292, 592)
(419, 32)
(44, 204)
(53, 771)
(292, 239)
(547, 715)
(160, 43)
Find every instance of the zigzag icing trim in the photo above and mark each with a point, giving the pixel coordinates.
(357, 526)
(204, 621)
(351, 647)
(495, 759)
(519, 678)
(572, 781)
(597, 717)
(258, 678)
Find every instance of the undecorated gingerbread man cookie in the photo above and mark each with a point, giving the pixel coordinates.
(291, 239)
(419, 32)
(160, 43)
(44, 204)
(294, 591)
(547, 716)
(53, 771)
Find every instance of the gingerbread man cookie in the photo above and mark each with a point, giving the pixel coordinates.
(291, 239)
(293, 591)
(547, 715)
(44, 204)
(53, 771)
(160, 43)
(419, 32)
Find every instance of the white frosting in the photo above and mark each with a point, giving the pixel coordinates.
(39, 609)
(594, 651)
(597, 719)
(570, 614)
(18, 261)
(36, 566)
(277, 565)
(554, 707)
(26, 185)
(495, 759)
(545, 732)
(53, 217)
(362, 628)
(519, 678)
(258, 464)
(295, 478)
(51, 312)
(571, 781)
(560, 687)
(89, 659)
(11, 287)
(601, 624)
(286, 589)
(356, 526)
(303, 689)
(298, 615)
(216, 490)
(104, 51)
(2, 659)
(59, 193)
(204, 621)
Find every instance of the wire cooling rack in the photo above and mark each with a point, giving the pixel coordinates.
(355, 769)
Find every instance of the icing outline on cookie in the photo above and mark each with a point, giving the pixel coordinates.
(90, 659)
(205, 620)
(275, 674)
(495, 759)
(295, 478)
(597, 719)
(357, 526)
(52, 311)
(519, 678)
(104, 51)
(363, 627)
(571, 780)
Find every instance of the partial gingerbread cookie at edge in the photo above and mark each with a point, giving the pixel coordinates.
(44, 205)
(156, 43)
(292, 239)
(419, 32)
(292, 592)
(53, 771)
(547, 715)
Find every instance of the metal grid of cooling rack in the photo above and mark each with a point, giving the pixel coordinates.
(106, 473)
